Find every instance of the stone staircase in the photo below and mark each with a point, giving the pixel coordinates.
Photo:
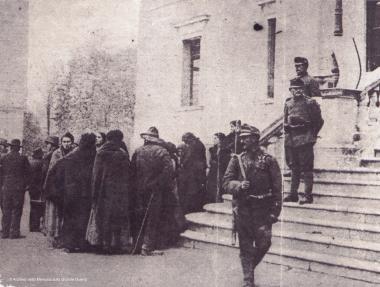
(339, 234)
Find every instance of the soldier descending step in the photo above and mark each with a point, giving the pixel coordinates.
(302, 123)
(254, 180)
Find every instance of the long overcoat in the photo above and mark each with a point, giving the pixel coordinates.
(74, 181)
(219, 159)
(53, 210)
(110, 195)
(153, 174)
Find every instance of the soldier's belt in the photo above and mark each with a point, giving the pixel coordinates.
(261, 196)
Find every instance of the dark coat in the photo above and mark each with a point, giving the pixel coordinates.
(217, 166)
(153, 173)
(15, 169)
(74, 176)
(36, 178)
(192, 177)
(110, 194)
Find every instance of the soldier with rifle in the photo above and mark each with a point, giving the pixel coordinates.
(254, 179)
(233, 142)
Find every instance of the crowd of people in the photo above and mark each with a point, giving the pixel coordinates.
(92, 197)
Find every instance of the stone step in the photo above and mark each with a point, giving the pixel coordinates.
(344, 193)
(289, 238)
(349, 187)
(352, 213)
(349, 174)
(373, 162)
(214, 223)
(364, 270)
(327, 245)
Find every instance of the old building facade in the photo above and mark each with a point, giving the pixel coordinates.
(204, 63)
(14, 67)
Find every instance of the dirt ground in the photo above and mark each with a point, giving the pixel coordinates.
(28, 262)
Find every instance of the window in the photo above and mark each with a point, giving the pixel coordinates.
(271, 55)
(373, 35)
(191, 66)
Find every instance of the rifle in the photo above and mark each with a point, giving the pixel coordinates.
(233, 203)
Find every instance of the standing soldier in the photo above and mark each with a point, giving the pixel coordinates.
(302, 123)
(14, 178)
(254, 180)
(153, 171)
(311, 84)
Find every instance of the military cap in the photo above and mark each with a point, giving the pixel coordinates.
(247, 130)
(52, 140)
(296, 83)
(16, 143)
(3, 142)
(301, 60)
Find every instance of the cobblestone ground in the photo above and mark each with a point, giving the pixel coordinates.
(28, 262)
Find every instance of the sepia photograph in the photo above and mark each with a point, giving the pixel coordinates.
(190, 143)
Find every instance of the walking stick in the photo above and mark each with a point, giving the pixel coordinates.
(142, 224)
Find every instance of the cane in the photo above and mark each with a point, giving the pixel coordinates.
(143, 223)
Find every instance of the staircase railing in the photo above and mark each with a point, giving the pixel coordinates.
(370, 91)
(273, 130)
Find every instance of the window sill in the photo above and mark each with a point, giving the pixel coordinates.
(263, 3)
(190, 108)
(268, 102)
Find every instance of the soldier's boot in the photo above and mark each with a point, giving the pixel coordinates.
(309, 180)
(248, 274)
(295, 183)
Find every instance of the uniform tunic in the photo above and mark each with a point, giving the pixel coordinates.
(254, 219)
(302, 122)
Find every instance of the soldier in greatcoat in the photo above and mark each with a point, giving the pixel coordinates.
(254, 180)
(14, 178)
(302, 123)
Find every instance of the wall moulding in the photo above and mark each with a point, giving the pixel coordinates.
(263, 3)
(192, 26)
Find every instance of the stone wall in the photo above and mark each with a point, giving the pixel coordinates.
(14, 66)
(234, 59)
